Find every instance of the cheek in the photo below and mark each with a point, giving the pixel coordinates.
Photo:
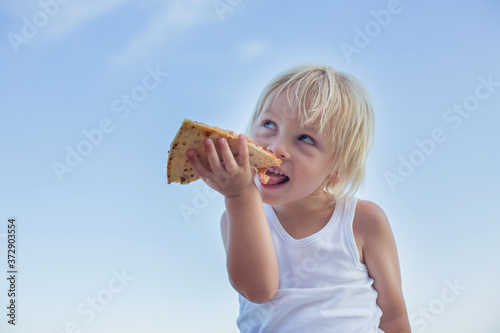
(318, 170)
(257, 136)
(307, 151)
(253, 129)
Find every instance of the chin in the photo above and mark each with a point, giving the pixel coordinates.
(266, 198)
(270, 201)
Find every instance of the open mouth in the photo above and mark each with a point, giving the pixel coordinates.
(276, 177)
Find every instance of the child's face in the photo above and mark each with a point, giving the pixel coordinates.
(306, 157)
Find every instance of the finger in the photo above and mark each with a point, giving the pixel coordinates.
(213, 157)
(243, 155)
(227, 156)
(200, 169)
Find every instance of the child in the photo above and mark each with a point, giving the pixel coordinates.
(303, 252)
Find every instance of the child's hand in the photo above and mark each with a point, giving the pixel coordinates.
(233, 175)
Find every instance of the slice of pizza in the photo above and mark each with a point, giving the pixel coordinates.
(192, 134)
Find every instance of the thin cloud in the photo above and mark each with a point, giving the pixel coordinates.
(177, 16)
(75, 14)
(251, 50)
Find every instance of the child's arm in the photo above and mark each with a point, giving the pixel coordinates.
(251, 260)
(374, 236)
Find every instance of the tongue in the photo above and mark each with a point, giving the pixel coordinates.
(275, 179)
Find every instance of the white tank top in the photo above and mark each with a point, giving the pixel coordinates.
(323, 286)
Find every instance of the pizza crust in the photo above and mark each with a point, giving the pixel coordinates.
(192, 134)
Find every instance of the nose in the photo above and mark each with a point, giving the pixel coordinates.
(278, 148)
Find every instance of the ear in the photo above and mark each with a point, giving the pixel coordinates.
(334, 177)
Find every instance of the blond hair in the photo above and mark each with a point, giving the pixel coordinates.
(340, 107)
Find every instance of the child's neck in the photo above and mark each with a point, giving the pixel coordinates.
(304, 218)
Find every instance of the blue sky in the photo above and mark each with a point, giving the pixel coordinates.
(102, 243)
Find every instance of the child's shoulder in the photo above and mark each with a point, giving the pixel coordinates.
(368, 212)
(370, 224)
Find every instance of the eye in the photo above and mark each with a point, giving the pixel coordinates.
(268, 124)
(307, 139)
